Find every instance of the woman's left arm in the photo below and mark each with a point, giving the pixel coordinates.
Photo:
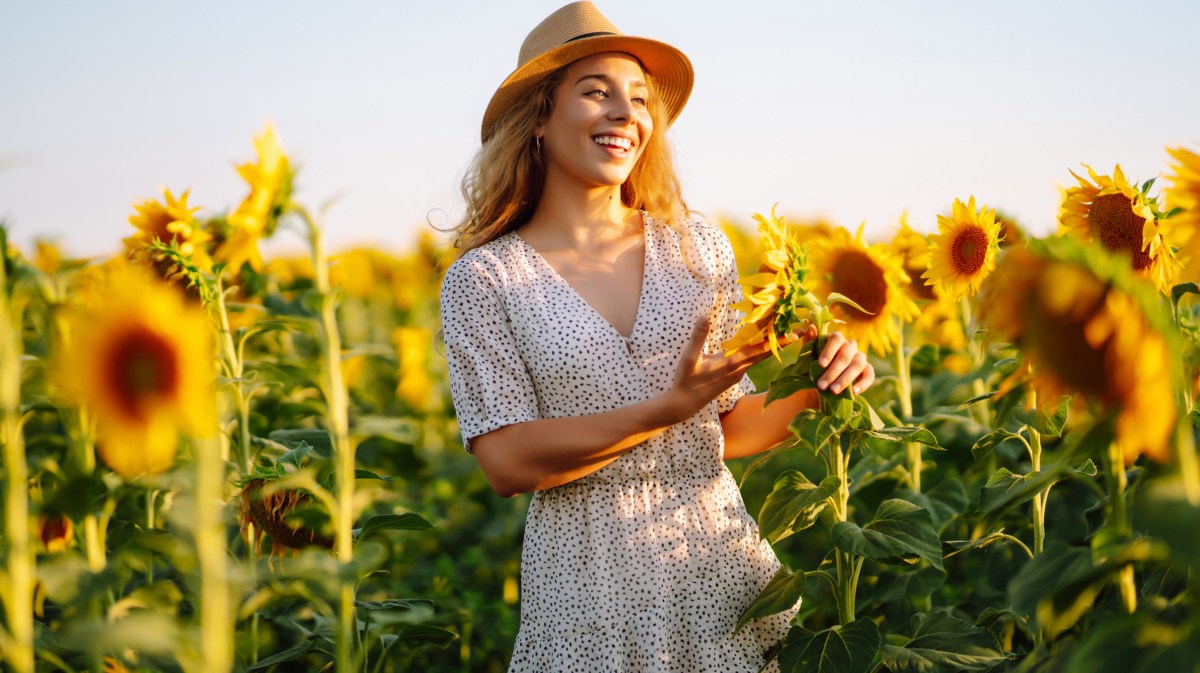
(751, 429)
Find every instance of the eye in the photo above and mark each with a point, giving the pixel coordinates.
(640, 101)
(602, 93)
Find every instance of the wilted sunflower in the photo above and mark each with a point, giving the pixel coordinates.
(872, 277)
(1087, 329)
(270, 180)
(141, 360)
(964, 252)
(774, 296)
(269, 512)
(170, 220)
(1184, 193)
(1123, 219)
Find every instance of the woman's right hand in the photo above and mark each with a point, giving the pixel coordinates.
(700, 378)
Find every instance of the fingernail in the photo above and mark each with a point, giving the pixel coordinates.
(857, 389)
(837, 390)
(824, 362)
(822, 385)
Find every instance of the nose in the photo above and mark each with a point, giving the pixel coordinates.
(623, 109)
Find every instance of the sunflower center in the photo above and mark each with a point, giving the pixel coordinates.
(1119, 229)
(969, 251)
(858, 277)
(142, 367)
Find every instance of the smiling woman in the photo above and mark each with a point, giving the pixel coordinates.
(584, 324)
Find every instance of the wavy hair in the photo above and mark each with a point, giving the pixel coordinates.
(503, 184)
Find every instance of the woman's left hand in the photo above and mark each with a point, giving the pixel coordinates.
(844, 364)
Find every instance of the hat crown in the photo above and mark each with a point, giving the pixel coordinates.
(572, 22)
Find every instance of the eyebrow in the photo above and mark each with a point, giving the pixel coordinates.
(607, 80)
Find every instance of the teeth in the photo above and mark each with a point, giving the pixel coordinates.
(623, 143)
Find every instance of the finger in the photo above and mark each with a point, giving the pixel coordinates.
(840, 362)
(695, 344)
(865, 381)
(858, 363)
(832, 344)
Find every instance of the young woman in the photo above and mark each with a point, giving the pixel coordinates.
(583, 325)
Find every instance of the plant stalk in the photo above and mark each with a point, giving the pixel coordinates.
(904, 383)
(17, 530)
(1118, 518)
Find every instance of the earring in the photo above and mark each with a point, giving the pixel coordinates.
(538, 141)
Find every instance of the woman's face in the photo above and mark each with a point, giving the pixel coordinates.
(600, 122)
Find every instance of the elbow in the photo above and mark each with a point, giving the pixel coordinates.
(499, 467)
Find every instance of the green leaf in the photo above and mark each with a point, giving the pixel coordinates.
(942, 643)
(906, 434)
(926, 358)
(314, 437)
(1181, 289)
(407, 521)
(839, 298)
(1005, 490)
(789, 381)
(849, 648)
(391, 427)
(424, 633)
(976, 400)
(813, 428)
(988, 443)
(781, 593)
(867, 412)
(360, 473)
(298, 649)
(900, 534)
(1048, 424)
(794, 504)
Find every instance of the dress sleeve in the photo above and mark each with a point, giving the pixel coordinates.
(489, 382)
(725, 320)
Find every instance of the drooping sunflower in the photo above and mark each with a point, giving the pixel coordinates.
(871, 276)
(964, 252)
(270, 180)
(1088, 329)
(1123, 219)
(169, 220)
(140, 359)
(268, 512)
(774, 297)
(1184, 193)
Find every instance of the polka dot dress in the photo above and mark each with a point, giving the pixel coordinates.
(645, 565)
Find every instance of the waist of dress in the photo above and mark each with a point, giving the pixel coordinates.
(673, 474)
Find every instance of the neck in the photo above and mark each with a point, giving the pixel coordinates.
(571, 216)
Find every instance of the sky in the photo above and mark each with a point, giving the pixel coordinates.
(856, 111)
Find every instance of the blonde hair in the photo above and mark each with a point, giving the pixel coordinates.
(503, 184)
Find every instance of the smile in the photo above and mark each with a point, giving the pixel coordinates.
(623, 144)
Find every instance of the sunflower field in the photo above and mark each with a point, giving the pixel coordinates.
(216, 462)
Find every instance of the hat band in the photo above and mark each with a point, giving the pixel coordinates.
(587, 35)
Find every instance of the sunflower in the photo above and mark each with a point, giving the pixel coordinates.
(55, 531)
(141, 360)
(1184, 193)
(268, 512)
(412, 347)
(270, 181)
(774, 296)
(871, 276)
(1124, 220)
(1087, 329)
(170, 220)
(940, 321)
(964, 252)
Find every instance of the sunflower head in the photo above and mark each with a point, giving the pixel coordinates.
(140, 358)
(913, 248)
(270, 180)
(964, 251)
(169, 221)
(1183, 199)
(1086, 328)
(776, 297)
(1123, 219)
(268, 510)
(872, 277)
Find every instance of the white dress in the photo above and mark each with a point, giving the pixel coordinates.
(645, 565)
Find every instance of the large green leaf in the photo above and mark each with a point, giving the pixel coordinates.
(813, 429)
(1048, 424)
(298, 649)
(789, 381)
(901, 533)
(407, 521)
(794, 504)
(850, 648)
(943, 644)
(781, 593)
(905, 434)
(1005, 490)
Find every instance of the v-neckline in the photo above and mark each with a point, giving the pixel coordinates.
(646, 258)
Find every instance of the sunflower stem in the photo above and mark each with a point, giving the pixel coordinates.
(1035, 464)
(904, 383)
(1118, 518)
(216, 630)
(847, 569)
(20, 556)
(235, 366)
(339, 430)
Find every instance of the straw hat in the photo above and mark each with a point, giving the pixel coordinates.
(579, 30)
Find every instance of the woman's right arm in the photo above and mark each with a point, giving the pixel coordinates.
(547, 452)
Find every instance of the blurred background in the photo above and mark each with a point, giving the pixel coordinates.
(853, 111)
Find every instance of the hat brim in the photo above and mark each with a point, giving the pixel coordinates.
(672, 72)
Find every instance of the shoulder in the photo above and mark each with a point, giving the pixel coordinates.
(485, 266)
(705, 245)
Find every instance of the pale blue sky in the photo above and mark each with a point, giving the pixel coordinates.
(854, 110)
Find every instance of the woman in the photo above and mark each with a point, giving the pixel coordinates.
(583, 327)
